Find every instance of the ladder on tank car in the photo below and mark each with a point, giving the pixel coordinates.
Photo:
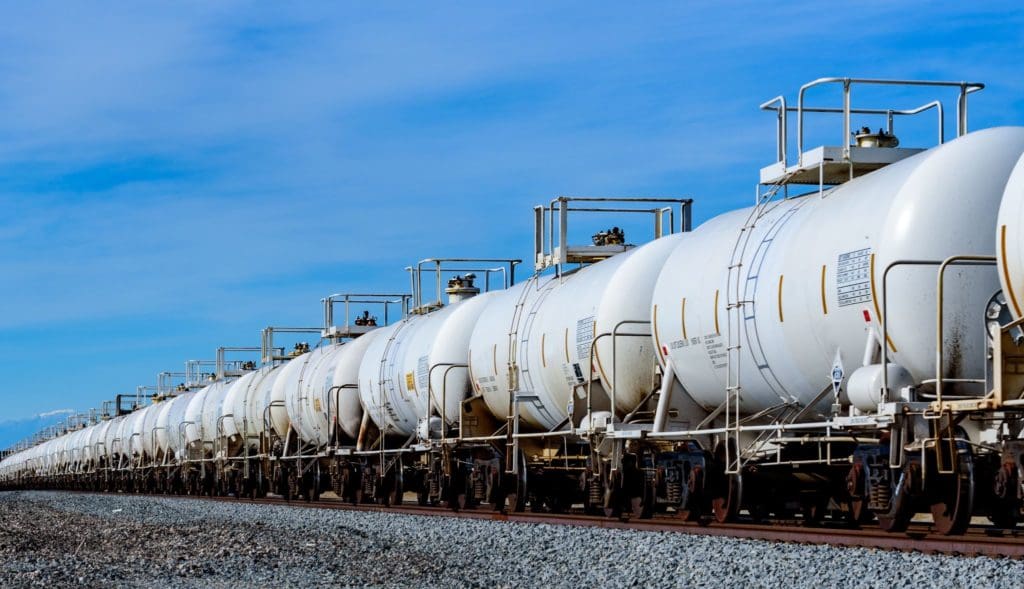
(736, 318)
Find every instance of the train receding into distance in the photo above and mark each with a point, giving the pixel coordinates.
(848, 347)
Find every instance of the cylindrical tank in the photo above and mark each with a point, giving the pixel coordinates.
(234, 402)
(137, 442)
(202, 416)
(101, 444)
(249, 404)
(169, 432)
(89, 450)
(554, 322)
(394, 377)
(304, 384)
(808, 280)
(345, 404)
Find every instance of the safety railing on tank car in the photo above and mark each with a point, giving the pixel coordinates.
(552, 248)
(778, 104)
(351, 327)
(507, 271)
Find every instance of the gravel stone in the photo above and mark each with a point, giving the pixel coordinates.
(50, 539)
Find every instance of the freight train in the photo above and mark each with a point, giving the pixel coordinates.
(850, 346)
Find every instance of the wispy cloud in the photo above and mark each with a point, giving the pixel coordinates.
(55, 412)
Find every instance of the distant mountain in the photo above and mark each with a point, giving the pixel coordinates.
(13, 431)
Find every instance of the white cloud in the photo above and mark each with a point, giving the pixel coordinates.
(55, 413)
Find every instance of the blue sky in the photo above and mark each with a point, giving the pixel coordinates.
(173, 177)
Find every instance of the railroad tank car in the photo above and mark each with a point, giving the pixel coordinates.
(555, 321)
(100, 444)
(304, 385)
(201, 416)
(112, 440)
(246, 400)
(812, 269)
(169, 431)
(319, 389)
(394, 376)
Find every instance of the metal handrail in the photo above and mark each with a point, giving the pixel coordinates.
(961, 110)
(961, 260)
(363, 299)
(507, 270)
(782, 124)
(448, 366)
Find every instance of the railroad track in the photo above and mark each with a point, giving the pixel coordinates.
(978, 541)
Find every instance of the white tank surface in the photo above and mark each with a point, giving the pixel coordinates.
(812, 273)
(1009, 241)
(304, 384)
(321, 387)
(555, 331)
(149, 428)
(76, 446)
(91, 443)
(169, 433)
(234, 403)
(276, 407)
(137, 442)
(202, 413)
(101, 443)
(249, 405)
(394, 377)
(345, 404)
(121, 433)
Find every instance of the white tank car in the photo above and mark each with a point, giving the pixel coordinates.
(137, 436)
(311, 399)
(101, 444)
(289, 375)
(553, 335)
(812, 273)
(304, 385)
(122, 434)
(248, 400)
(394, 377)
(149, 428)
(169, 433)
(1009, 241)
(77, 447)
(345, 403)
(234, 402)
(201, 415)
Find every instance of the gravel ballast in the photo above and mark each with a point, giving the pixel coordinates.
(64, 539)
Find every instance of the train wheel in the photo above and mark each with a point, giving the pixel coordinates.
(1005, 512)
(857, 493)
(693, 506)
(952, 495)
(897, 519)
(726, 506)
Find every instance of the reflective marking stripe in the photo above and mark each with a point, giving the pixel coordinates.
(494, 357)
(543, 357)
(824, 302)
(682, 317)
(567, 361)
(654, 325)
(878, 311)
(717, 331)
(1006, 270)
(780, 299)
